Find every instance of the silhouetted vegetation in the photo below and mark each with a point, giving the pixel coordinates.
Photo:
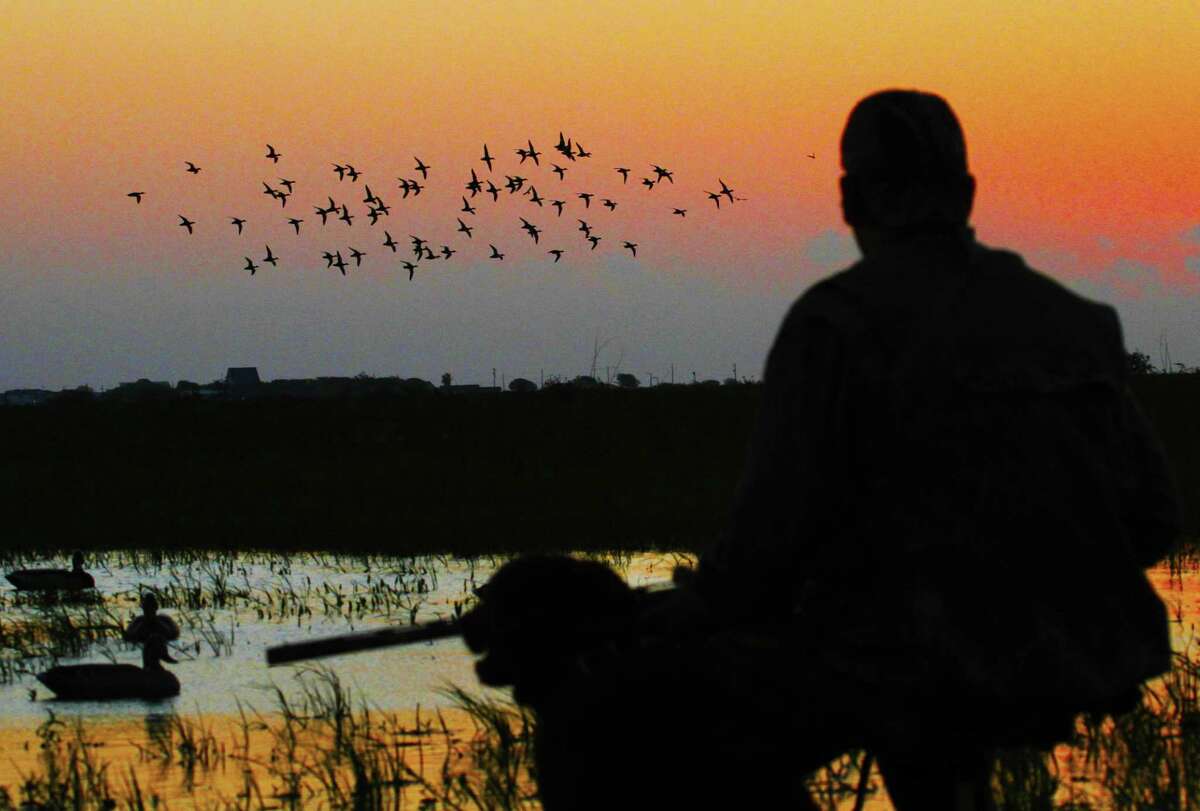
(397, 466)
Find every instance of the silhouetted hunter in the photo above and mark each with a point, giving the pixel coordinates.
(939, 544)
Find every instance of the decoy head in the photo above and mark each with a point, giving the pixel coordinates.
(77, 561)
(155, 651)
(149, 604)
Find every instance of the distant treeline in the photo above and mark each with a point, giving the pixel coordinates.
(566, 467)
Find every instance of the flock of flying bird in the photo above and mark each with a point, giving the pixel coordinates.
(412, 187)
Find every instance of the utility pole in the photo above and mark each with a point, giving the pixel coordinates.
(493, 377)
(672, 373)
(735, 373)
(541, 378)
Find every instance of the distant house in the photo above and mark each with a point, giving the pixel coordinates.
(25, 396)
(242, 377)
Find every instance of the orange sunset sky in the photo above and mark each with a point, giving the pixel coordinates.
(1082, 123)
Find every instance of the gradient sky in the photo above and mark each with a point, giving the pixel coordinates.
(1081, 128)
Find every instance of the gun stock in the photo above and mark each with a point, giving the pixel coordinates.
(362, 640)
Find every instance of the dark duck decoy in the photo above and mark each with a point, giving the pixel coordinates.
(108, 682)
(151, 623)
(73, 579)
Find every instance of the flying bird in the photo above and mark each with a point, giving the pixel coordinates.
(584, 227)
(422, 168)
(467, 207)
(487, 158)
(624, 174)
(811, 155)
(560, 171)
(340, 264)
(328, 257)
(370, 196)
(557, 252)
(272, 154)
(193, 168)
(609, 204)
(184, 222)
(648, 183)
(495, 253)
(373, 213)
(586, 197)
(595, 240)
(238, 222)
(632, 246)
(714, 196)
(346, 217)
(324, 214)
(410, 267)
(564, 147)
(474, 186)
(287, 184)
(136, 195)
(418, 245)
(663, 174)
(559, 205)
(295, 223)
(493, 191)
(269, 190)
(447, 252)
(250, 266)
(352, 173)
(341, 171)
(358, 255)
(580, 153)
(534, 197)
(725, 190)
(682, 212)
(270, 257)
(389, 242)
(466, 229)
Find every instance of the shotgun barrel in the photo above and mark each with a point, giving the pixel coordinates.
(362, 640)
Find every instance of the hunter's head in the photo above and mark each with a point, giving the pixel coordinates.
(905, 164)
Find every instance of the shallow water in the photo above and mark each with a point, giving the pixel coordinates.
(231, 608)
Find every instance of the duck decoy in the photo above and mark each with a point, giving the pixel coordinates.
(73, 579)
(151, 623)
(108, 682)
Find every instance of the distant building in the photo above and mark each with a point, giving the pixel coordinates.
(25, 396)
(520, 384)
(242, 377)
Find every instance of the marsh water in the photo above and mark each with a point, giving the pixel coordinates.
(231, 608)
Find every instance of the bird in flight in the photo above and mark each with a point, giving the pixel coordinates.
(373, 213)
(389, 242)
(370, 197)
(609, 204)
(529, 153)
(533, 196)
(467, 207)
(429, 254)
(268, 190)
(323, 212)
(328, 257)
(447, 252)
(584, 227)
(466, 229)
(531, 229)
(681, 212)
(474, 186)
(564, 147)
(418, 245)
(422, 168)
(270, 257)
(725, 190)
(714, 196)
(410, 267)
(346, 217)
(579, 151)
(560, 171)
(272, 154)
(559, 205)
(341, 171)
(487, 158)
(493, 191)
(632, 246)
(595, 240)
(193, 168)
(557, 253)
(624, 174)
(340, 263)
(495, 253)
(811, 155)
(137, 196)
(352, 173)
(287, 184)
(184, 222)
(648, 183)
(295, 223)
(586, 197)
(238, 222)
(663, 174)
(250, 266)
(358, 255)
